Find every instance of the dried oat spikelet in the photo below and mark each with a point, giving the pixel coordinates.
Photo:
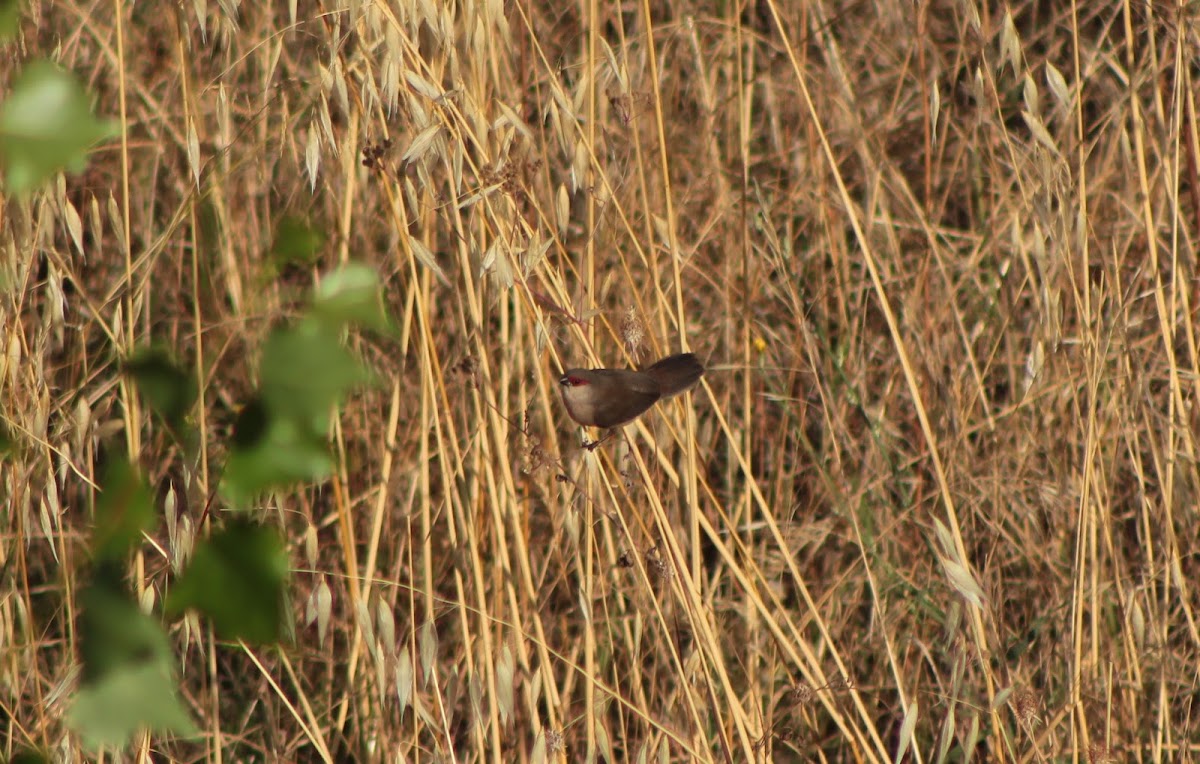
(633, 333)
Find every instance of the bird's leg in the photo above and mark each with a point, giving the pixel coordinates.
(592, 445)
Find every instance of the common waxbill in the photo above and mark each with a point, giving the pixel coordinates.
(612, 397)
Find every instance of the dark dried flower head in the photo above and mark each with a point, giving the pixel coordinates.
(656, 567)
(536, 458)
(373, 154)
(800, 694)
(468, 366)
(1025, 706)
(633, 333)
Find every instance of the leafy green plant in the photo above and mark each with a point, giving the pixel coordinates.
(46, 125)
(238, 576)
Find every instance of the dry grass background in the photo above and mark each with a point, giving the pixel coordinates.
(938, 489)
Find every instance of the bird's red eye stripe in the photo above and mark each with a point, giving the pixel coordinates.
(567, 381)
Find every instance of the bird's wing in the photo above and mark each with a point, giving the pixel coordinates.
(638, 383)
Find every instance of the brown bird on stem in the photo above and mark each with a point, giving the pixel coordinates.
(609, 398)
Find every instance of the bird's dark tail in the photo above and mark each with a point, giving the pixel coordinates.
(676, 373)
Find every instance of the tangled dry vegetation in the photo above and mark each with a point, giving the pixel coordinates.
(935, 498)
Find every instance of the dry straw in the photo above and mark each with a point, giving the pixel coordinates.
(935, 501)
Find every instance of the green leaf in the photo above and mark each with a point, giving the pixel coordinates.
(297, 242)
(351, 295)
(109, 712)
(8, 443)
(237, 579)
(281, 437)
(305, 370)
(113, 632)
(169, 389)
(46, 124)
(128, 671)
(271, 451)
(10, 17)
(124, 510)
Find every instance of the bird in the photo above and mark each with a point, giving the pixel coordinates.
(609, 398)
